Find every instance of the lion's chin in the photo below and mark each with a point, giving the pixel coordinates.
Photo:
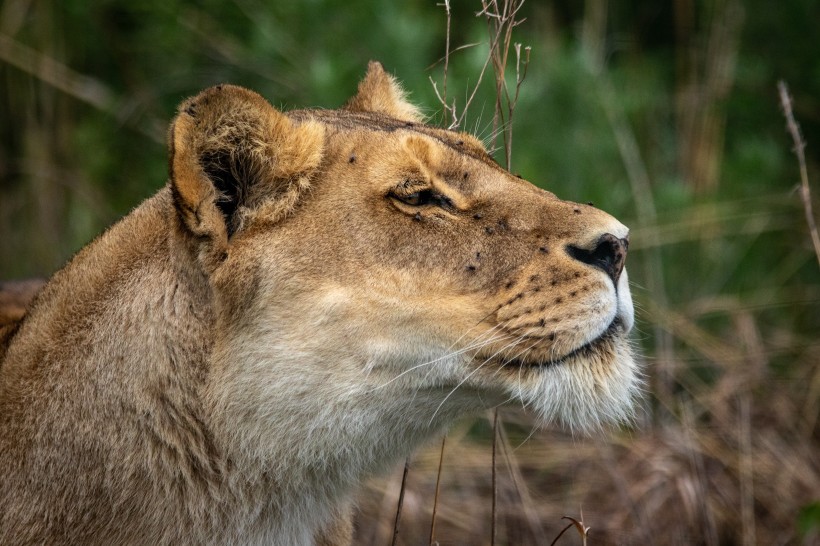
(591, 388)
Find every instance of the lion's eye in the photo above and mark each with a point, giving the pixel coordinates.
(424, 197)
(418, 198)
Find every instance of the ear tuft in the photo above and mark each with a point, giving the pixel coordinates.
(380, 93)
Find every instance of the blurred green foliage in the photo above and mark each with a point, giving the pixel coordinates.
(809, 523)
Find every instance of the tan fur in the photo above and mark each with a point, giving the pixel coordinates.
(380, 93)
(311, 296)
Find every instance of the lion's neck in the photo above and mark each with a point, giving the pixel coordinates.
(127, 327)
(315, 427)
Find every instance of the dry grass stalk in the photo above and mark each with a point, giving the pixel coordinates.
(501, 18)
(583, 530)
(435, 497)
(454, 119)
(494, 518)
(401, 501)
(799, 151)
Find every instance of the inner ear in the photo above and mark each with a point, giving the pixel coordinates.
(231, 181)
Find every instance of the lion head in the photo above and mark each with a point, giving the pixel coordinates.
(387, 258)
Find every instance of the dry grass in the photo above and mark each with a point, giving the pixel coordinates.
(735, 467)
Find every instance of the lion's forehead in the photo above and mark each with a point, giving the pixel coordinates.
(376, 127)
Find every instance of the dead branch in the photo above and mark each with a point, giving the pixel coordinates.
(799, 147)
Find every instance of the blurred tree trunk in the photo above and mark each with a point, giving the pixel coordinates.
(34, 202)
(705, 72)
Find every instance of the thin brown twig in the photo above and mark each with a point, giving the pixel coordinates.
(401, 502)
(500, 25)
(564, 530)
(449, 110)
(447, 51)
(799, 147)
(454, 50)
(583, 530)
(519, 79)
(469, 100)
(495, 25)
(519, 75)
(435, 498)
(747, 516)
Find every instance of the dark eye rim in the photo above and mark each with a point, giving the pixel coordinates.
(422, 198)
(416, 198)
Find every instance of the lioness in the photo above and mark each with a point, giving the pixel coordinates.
(310, 297)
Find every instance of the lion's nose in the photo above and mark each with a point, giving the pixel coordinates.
(609, 255)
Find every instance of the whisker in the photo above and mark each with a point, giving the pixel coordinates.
(460, 383)
(494, 339)
(476, 344)
(525, 440)
(454, 389)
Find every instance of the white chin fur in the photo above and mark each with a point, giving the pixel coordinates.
(587, 393)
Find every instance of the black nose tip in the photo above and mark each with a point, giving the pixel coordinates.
(609, 255)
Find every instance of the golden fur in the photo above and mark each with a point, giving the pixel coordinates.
(312, 295)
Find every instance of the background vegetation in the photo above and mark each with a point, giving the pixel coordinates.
(664, 113)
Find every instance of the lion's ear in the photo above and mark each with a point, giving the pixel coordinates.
(230, 152)
(379, 92)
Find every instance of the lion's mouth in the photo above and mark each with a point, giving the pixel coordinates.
(587, 350)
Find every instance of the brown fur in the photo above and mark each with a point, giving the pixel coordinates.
(223, 365)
